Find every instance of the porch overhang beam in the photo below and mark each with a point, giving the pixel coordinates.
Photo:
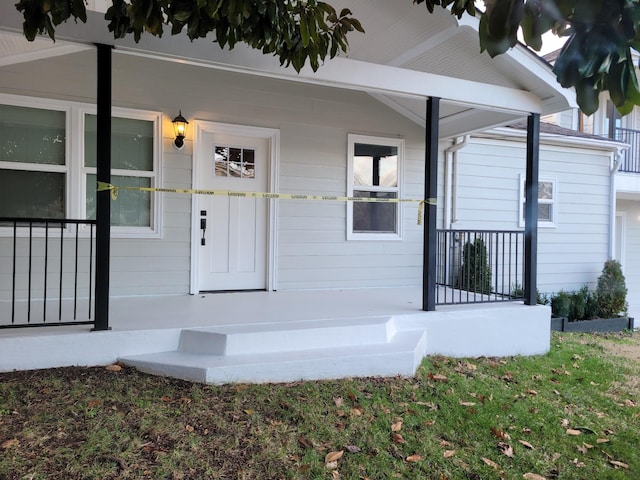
(338, 72)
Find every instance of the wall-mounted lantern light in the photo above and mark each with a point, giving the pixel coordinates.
(180, 128)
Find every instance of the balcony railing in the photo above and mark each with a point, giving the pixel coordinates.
(630, 157)
(47, 270)
(479, 266)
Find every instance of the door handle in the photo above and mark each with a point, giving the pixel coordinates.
(203, 227)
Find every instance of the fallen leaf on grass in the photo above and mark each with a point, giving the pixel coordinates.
(338, 401)
(413, 458)
(466, 404)
(357, 411)
(449, 453)
(397, 438)
(352, 449)
(500, 434)
(506, 449)
(304, 442)
(533, 476)
(571, 431)
(491, 463)
(114, 368)
(189, 428)
(619, 464)
(10, 443)
(248, 411)
(565, 423)
(397, 425)
(437, 377)
(603, 440)
(165, 399)
(333, 456)
(91, 404)
(526, 444)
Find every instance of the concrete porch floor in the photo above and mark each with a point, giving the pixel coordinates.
(153, 324)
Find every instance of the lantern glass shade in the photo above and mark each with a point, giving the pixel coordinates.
(180, 129)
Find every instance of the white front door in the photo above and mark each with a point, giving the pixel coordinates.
(233, 245)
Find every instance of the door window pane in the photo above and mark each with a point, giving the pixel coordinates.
(131, 143)
(234, 162)
(32, 194)
(131, 209)
(32, 135)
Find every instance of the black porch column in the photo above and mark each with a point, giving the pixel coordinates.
(103, 199)
(430, 192)
(531, 210)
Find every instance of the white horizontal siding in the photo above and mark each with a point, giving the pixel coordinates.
(572, 252)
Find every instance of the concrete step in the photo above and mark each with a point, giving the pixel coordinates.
(400, 356)
(330, 356)
(285, 337)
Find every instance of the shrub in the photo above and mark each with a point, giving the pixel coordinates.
(611, 291)
(561, 304)
(476, 274)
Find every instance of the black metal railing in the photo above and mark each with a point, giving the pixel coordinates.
(630, 157)
(479, 266)
(47, 270)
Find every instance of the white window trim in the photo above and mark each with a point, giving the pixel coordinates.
(374, 140)
(74, 162)
(155, 229)
(554, 202)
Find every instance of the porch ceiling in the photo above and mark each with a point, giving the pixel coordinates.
(406, 55)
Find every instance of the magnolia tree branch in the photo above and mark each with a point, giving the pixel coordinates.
(293, 30)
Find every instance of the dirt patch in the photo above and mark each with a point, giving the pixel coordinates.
(622, 345)
(627, 347)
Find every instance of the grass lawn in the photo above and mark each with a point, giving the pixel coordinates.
(571, 414)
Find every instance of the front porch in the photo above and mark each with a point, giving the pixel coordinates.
(145, 325)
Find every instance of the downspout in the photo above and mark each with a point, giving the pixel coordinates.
(616, 161)
(450, 181)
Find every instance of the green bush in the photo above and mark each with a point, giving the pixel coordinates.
(476, 274)
(561, 304)
(611, 291)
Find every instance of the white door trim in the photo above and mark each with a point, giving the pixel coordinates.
(273, 137)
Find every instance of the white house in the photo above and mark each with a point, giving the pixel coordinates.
(359, 127)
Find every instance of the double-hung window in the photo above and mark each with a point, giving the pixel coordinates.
(48, 163)
(134, 161)
(374, 171)
(547, 201)
(34, 170)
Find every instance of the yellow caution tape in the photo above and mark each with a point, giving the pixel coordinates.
(103, 186)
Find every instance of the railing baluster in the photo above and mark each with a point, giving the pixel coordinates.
(29, 273)
(478, 266)
(35, 236)
(61, 272)
(13, 287)
(46, 264)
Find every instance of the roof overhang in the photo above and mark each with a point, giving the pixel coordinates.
(467, 105)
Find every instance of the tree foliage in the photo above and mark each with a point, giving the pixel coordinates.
(293, 30)
(596, 57)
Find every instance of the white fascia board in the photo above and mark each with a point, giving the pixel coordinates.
(536, 66)
(338, 72)
(554, 139)
(49, 52)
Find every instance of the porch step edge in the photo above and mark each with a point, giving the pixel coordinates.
(290, 336)
(400, 356)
